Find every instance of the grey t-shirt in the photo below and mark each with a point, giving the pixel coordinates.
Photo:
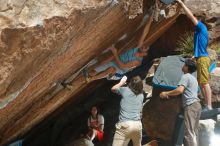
(190, 94)
(130, 105)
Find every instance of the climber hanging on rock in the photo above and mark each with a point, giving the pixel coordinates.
(115, 69)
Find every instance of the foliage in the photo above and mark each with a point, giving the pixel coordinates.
(185, 44)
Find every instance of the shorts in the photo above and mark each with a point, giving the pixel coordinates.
(100, 135)
(203, 64)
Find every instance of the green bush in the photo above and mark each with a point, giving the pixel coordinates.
(218, 51)
(185, 45)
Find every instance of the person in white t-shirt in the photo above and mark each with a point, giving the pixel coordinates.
(96, 124)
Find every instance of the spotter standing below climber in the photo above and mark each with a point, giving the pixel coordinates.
(188, 87)
(129, 126)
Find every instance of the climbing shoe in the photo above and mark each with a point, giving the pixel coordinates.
(114, 76)
(86, 75)
(69, 86)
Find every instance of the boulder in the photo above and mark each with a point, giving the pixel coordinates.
(215, 84)
(159, 116)
(41, 46)
(210, 11)
(206, 131)
(43, 43)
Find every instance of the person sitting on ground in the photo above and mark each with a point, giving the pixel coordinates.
(201, 39)
(96, 124)
(129, 126)
(188, 87)
(121, 64)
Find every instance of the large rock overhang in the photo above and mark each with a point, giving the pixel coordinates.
(37, 57)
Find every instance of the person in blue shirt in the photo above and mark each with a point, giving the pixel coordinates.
(114, 70)
(201, 38)
(120, 65)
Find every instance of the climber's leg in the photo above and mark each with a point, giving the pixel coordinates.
(103, 74)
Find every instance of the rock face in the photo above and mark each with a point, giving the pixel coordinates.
(25, 49)
(159, 116)
(214, 83)
(34, 60)
(36, 57)
(26, 13)
(211, 12)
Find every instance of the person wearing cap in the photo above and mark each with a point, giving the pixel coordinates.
(188, 87)
(201, 38)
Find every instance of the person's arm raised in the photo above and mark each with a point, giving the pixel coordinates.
(145, 31)
(188, 12)
(120, 84)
